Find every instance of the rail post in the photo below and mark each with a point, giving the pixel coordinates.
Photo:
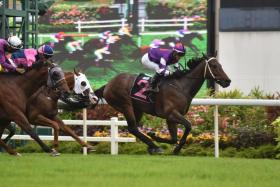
(185, 23)
(79, 26)
(114, 136)
(85, 129)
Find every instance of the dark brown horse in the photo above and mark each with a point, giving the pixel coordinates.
(16, 89)
(42, 106)
(171, 102)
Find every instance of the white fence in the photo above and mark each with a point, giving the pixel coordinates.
(114, 123)
(142, 23)
(100, 24)
(114, 137)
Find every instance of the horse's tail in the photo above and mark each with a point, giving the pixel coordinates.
(99, 92)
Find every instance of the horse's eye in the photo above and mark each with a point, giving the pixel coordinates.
(83, 83)
(214, 66)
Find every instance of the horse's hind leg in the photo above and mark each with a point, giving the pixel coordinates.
(172, 127)
(7, 148)
(43, 121)
(22, 121)
(178, 118)
(132, 128)
(12, 131)
(70, 132)
(2, 143)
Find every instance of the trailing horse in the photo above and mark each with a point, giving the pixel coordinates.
(15, 90)
(42, 106)
(171, 102)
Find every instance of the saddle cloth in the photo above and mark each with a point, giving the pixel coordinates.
(138, 91)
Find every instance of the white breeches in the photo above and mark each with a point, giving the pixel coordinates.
(153, 66)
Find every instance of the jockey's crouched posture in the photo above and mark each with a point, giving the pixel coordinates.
(23, 59)
(7, 47)
(159, 59)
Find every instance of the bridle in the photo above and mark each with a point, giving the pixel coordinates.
(207, 66)
(53, 84)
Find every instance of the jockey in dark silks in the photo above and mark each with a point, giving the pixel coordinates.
(159, 59)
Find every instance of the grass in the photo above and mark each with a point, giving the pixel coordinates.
(105, 170)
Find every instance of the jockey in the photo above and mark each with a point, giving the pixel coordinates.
(125, 31)
(7, 47)
(99, 53)
(156, 43)
(74, 46)
(25, 58)
(159, 59)
(104, 36)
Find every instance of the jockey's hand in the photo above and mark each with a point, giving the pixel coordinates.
(20, 70)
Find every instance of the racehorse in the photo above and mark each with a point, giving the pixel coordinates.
(42, 106)
(171, 102)
(187, 40)
(15, 90)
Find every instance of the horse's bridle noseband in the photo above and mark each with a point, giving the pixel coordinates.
(208, 66)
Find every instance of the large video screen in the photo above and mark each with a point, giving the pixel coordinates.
(106, 38)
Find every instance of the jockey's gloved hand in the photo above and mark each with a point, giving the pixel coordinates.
(167, 73)
(20, 70)
(176, 67)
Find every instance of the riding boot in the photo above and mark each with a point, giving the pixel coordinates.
(154, 83)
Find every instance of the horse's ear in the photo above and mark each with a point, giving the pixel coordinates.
(77, 71)
(216, 53)
(204, 55)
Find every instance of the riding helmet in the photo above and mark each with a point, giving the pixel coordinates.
(46, 50)
(14, 42)
(180, 49)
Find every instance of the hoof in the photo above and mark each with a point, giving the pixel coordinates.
(176, 150)
(155, 150)
(91, 149)
(54, 153)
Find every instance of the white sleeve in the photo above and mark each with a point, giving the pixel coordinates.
(162, 62)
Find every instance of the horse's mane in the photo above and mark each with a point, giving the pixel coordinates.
(191, 64)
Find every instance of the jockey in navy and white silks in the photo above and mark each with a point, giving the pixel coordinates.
(25, 58)
(159, 59)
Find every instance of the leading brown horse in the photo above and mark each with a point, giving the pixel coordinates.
(15, 90)
(171, 102)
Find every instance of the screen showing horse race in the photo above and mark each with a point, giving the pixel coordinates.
(106, 38)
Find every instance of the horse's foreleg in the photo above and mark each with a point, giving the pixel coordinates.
(43, 121)
(172, 127)
(178, 118)
(70, 132)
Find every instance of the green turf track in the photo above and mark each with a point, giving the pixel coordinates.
(41, 170)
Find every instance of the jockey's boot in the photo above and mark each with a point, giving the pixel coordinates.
(154, 83)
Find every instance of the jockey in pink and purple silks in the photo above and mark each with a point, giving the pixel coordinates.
(159, 59)
(25, 58)
(7, 47)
